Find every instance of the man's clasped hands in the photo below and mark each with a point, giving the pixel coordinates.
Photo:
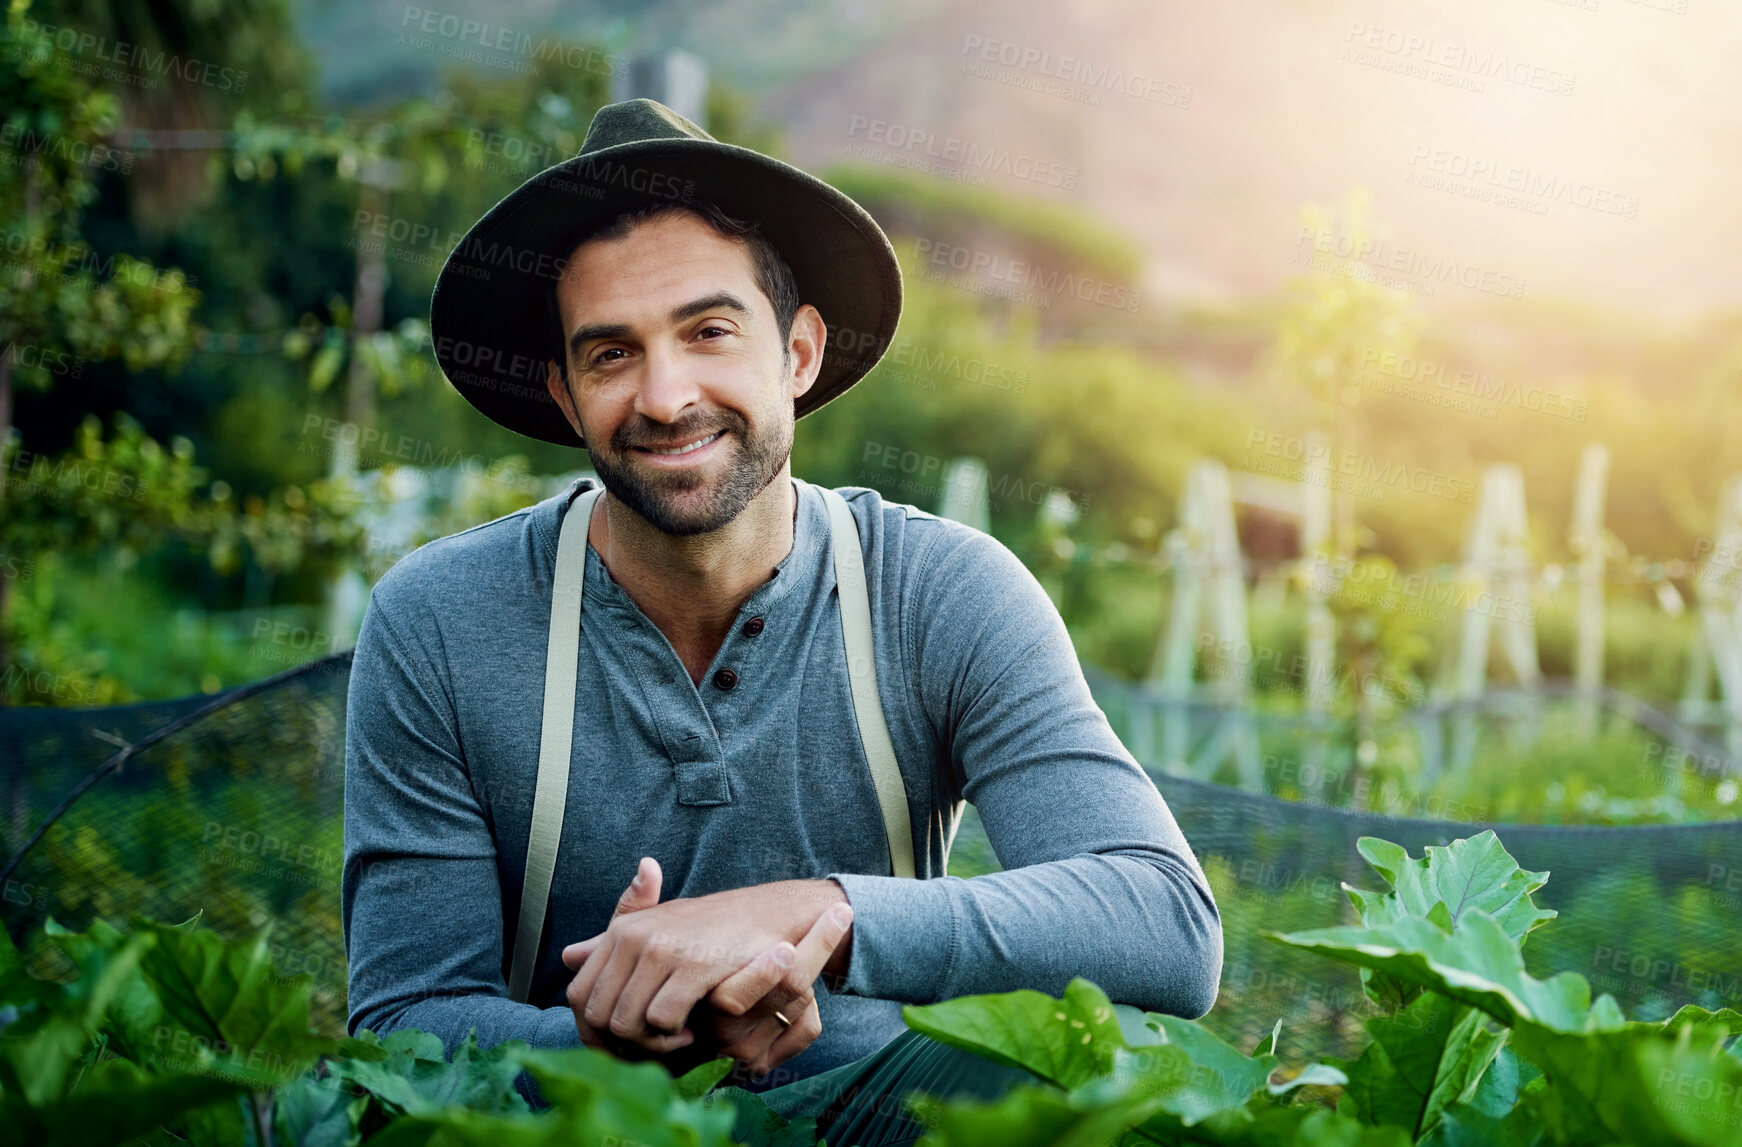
(696, 978)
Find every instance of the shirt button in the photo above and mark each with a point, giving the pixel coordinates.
(725, 679)
(753, 626)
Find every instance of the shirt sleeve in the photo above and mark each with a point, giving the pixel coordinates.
(1099, 882)
(422, 906)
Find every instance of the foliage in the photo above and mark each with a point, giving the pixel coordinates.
(170, 1030)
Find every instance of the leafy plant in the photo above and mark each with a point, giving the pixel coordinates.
(172, 1034)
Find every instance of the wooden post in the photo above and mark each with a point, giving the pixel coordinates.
(1209, 611)
(1496, 562)
(1589, 545)
(1718, 587)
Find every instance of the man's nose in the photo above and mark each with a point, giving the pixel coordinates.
(668, 384)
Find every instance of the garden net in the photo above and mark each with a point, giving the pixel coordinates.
(231, 808)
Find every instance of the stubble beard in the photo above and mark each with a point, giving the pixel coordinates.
(663, 499)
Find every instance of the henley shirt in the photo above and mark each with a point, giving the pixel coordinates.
(736, 783)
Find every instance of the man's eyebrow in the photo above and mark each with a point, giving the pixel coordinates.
(718, 301)
(585, 335)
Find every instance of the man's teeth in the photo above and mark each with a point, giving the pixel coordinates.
(684, 449)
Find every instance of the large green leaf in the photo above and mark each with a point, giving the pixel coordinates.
(1427, 1056)
(1639, 1084)
(1479, 965)
(225, 1008)
(1065, 1041)
(1214, 1076)
(134, 1018)
(1039, 1115)
(599, 1095)
(310, 1112)
(416, 1077)
(47, 1038)
(1474, 873)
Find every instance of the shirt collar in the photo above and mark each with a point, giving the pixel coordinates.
(799, 569)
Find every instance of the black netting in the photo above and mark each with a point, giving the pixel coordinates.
(231, 807)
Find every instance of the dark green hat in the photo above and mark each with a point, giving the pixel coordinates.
(490, 315)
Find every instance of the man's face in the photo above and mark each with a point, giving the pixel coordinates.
(671, 344)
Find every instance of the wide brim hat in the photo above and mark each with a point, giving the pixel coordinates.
(491, 315)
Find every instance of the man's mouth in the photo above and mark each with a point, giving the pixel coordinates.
(684, 449)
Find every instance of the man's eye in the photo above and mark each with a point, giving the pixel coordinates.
(714, 330)
(600, 359)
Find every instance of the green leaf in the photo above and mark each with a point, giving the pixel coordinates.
(1426, 1057)
(1492, 1114)
(700, 1080)
(1708, 1028)
(1217, 1077)
(1064, 1041)
(117, 1101)
(1634, 1085)
(223, 1003)
(310, 1112)
(416, 1077)
(1446, 882)
(1478, 965)
(597, 1095)
(1035, 1115)
(755, 1124)
(44, 1042)
(325, 367)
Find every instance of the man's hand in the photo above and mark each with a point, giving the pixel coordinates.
(722, 962)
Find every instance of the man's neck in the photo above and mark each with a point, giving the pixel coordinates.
(692, 587)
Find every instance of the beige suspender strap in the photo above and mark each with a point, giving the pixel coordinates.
(562, 656)
(862, 672)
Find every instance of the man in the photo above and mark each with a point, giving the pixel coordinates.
(682, 302)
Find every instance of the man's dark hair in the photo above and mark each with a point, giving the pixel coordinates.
(773, 277)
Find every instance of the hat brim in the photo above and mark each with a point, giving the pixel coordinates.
(489, 319)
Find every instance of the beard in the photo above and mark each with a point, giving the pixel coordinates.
(683, 503)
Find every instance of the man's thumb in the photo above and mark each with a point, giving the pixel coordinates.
(643, 891)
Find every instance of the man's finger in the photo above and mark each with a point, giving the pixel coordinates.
(643, 892)
(738, 993)
(820, 943)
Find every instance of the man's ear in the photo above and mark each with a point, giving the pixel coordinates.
(805, 346)
(559, 391)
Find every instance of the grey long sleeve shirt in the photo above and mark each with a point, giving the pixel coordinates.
(763, 781)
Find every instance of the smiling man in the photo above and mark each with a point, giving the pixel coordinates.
(671, 766)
